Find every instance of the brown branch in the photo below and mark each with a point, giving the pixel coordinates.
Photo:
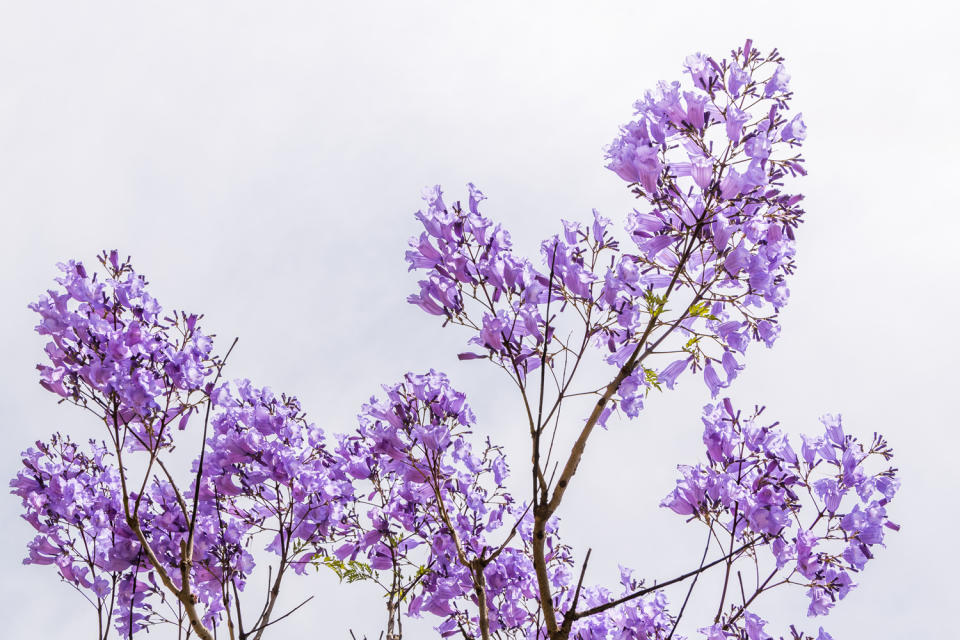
(192, 524)
(274, 593)
(538, 430)
(479, 587)
(133, 521)
(568, 620)
(656, 587)
(746, 604)
(686, 599)
(263, 626)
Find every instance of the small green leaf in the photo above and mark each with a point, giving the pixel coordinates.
(350, 571)
(652, 378)
(655, 303)
(699, 310)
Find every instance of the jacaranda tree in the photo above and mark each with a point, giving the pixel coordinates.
(414, 499)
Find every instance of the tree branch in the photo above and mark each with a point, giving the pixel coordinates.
(656, 587)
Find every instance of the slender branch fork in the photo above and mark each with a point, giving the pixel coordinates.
(545, 507)
(544, 510)
(183, 593)
(661, 585)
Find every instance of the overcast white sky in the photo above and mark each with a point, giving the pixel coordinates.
(261, 162)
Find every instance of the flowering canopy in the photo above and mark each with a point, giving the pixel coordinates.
(413, 499)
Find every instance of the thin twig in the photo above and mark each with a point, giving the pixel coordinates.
(276, 620)
(690, 590)
(656, 587)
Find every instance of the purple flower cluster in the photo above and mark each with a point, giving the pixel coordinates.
(711, 163)
(755, 484)
(712, 256)
(436, 515)
(639, 619)
(111, 350)
(115, 521)
(267, 462)
(469, 259)
(72, 499)
(753, 628)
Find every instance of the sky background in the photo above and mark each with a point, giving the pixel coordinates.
(261, 163)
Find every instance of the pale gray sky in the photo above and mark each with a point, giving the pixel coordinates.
(261, 162)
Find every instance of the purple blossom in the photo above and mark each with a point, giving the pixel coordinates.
(634, 158)
(794, 130)
(735, 119)
(778, 82)
(670, 373)
(702, 70)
